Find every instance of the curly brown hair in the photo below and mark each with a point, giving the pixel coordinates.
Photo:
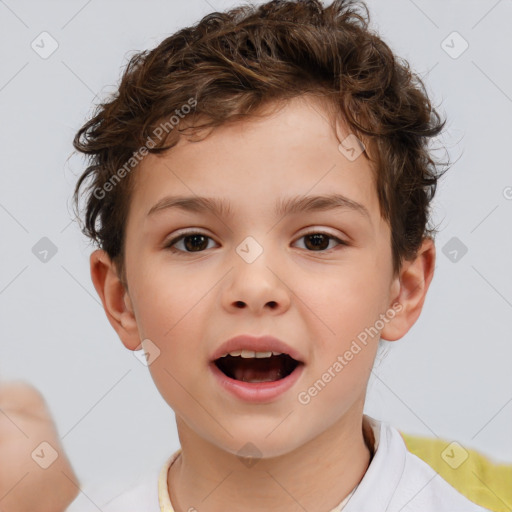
(227, 67)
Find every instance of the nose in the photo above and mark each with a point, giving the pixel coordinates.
(257, 287)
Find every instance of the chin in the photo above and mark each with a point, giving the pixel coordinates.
(251, 448)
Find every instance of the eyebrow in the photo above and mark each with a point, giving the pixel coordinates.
(291, 205)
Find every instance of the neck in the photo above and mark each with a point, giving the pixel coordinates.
(316, 476)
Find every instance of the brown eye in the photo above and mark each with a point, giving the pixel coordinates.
(193, 242)
(319, 242)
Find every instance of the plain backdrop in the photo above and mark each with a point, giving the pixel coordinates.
(448, 377)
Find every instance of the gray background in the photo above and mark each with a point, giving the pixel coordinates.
(448, 377)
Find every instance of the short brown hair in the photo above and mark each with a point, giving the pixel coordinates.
(231, 65)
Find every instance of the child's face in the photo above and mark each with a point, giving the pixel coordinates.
(316, 300)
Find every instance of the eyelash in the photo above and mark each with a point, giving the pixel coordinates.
(169, 245)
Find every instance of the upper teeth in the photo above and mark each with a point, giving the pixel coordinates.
(251, 353)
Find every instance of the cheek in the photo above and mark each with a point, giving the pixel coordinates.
(165, 301)
(342, 304)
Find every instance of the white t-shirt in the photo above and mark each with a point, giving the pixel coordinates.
(395, 481)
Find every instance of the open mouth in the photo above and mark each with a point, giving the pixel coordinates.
(251, 369)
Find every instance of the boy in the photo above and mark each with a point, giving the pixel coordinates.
(260, 189)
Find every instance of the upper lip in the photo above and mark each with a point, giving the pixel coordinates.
(257, 344)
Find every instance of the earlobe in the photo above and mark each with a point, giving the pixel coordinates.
(413, 283)
(115, 299)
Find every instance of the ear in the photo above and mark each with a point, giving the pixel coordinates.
(409, 290)
(116, 301)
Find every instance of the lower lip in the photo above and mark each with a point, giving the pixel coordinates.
(257, 391)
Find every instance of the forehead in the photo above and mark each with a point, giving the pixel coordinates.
(291, 151)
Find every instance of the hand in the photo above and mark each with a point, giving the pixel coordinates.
(25, 422)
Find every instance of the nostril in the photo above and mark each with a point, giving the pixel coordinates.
(240, 304)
